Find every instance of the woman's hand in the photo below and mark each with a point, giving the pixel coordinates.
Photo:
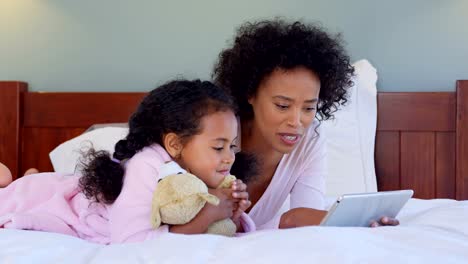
(301, 216)
(385, 221)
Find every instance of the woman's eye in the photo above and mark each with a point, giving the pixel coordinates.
(309, 109)
(218, 149)
(282, 107)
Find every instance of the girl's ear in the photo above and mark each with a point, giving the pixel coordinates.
(172, 145)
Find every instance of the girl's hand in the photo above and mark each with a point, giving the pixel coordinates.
(225, 207)
(385, 221)
(241, 196)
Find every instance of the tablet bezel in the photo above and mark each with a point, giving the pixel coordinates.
(358, 210)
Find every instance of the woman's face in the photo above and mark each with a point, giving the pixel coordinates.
(284, 106)
(210, 154)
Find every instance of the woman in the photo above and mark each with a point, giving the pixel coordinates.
(286, 78)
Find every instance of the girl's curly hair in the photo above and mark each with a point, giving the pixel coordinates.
(261, 47)
(177, 106)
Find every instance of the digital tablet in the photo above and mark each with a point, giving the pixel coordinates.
(360, 209)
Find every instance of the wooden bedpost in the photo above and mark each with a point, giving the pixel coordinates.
(10, 124)
(462, 140)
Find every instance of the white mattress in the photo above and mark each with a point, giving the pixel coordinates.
(431, 231)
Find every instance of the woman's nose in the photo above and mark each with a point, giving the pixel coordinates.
(294, 119)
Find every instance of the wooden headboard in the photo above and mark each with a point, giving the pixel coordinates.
(421, 142)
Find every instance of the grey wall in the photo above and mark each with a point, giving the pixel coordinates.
(115, 45)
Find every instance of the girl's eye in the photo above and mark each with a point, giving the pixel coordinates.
(282, 107)
(218, 149)
(235, 148)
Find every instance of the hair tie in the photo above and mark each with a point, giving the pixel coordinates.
(115, 160)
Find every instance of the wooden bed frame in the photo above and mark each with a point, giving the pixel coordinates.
(421, 142)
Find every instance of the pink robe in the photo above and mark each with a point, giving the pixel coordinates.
(51, 202)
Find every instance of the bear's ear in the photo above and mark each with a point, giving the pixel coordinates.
(155, 216)
(209, 198)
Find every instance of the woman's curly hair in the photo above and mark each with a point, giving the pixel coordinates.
(261, 47)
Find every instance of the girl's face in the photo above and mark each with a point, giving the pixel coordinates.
(284, 106)
(210, 154)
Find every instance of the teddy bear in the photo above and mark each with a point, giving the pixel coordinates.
(179, 197)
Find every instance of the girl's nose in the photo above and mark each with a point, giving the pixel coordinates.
(229, 158)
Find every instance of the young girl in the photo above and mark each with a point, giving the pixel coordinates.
(190, 122)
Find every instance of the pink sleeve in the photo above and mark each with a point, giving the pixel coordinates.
(247, 223)
(309, 189)
(129, 216)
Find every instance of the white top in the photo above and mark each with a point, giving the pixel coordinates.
(300, 174)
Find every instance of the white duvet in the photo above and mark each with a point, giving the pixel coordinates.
(431, 231)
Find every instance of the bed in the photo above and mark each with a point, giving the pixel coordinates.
(421, 143)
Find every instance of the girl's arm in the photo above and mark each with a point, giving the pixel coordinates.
(208, 214)
(198, 225)
(130, 214)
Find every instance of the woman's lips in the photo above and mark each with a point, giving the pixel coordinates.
(289, 139)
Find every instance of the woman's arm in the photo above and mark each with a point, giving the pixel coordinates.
(308, 193)
(302, 216)
(299, 217)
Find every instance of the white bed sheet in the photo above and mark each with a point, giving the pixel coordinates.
(431, 231)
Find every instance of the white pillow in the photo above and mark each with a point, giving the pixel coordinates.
(66, 156)
(351, 137)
